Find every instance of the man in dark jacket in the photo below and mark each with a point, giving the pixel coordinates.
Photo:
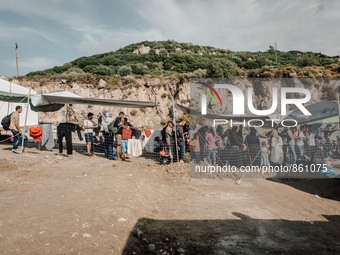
(108, 137)
(234, 138)
(119, 122)
(180, 139)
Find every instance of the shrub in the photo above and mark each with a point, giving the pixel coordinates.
(308, 60)
(139, 68)
(124, 70)
(99, 70)
(223, 68)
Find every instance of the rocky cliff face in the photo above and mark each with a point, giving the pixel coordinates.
(144, 88)
(160, 90)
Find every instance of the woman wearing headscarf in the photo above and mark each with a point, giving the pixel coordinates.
(276, 155)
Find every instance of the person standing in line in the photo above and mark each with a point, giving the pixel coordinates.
(89, 125)
(170, 139)
(311, 136)
(119, 122)
(108, 136)
(15, 128)
(210, 137)
(180, 139)
(264, 154)
(126, 135)
(196, 149)
(252, 142)
(299, 139)
(276, 155)
(291, 144)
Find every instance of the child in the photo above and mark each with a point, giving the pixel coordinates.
(264, 154)
(126, 135)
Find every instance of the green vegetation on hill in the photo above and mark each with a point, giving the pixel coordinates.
(169, 57)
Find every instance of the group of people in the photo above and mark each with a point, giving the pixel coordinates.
(115, 131)
(175, 140)
(235, 146)
(246, 146)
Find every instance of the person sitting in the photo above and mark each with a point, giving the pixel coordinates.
(157, 144)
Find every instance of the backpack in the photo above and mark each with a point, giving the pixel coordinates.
(6, 122)
(112, 129)
(126, 133)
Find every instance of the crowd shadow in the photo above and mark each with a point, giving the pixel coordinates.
(244, 235)
(323, 187)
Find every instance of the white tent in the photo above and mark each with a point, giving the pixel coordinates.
(55, 101)
(9, 107)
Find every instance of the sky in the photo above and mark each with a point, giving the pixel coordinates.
(54, 32)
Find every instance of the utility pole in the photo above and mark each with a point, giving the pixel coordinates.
(276, 53)
(16, 58)
(337, 99)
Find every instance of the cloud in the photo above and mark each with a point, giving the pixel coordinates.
(111, 40)
(62, 30)
(35, 64)
(249, 24)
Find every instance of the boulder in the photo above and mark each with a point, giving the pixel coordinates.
(102, 84)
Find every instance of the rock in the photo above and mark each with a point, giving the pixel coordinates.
(102, 84)
(139, 232)
(86, 235)
(151, 247)
(181, 250)
(122, 220)
(142, 50)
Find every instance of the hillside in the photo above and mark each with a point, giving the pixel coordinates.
(160, 72)
(170, 57)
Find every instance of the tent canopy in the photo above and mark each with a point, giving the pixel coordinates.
(8, 106)
(320, 111)
(55, 101)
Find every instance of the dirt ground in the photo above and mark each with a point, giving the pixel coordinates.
(53, 204)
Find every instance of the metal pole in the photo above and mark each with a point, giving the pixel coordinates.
(276, 52)
(174, 120)
(66, 114)
(16, 59)
(10, 91)
(337, 99)
(25, 125)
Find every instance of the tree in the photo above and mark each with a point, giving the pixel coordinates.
(222, 68)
